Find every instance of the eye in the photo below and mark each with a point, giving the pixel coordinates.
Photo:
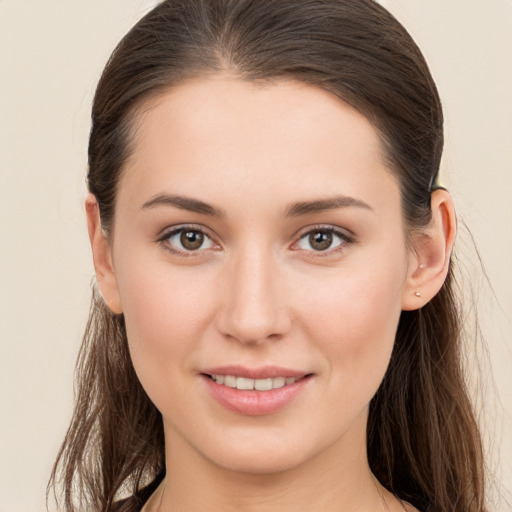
(322, 239)
(186, 240)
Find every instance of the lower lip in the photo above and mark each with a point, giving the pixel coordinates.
(255, 403)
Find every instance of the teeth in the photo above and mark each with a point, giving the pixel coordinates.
(250, 384)
(229, 381)
(263, 384)
(278, 382)
(243, 383)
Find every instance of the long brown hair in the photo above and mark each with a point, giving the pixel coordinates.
(423, 440)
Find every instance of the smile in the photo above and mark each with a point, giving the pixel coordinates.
(255, 392)
(244, 383)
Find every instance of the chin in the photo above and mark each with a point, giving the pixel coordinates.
(263, 463)
(261, 453)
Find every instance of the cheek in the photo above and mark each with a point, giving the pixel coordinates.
(165, 314)
(354, 326)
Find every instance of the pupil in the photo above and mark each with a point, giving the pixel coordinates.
(320, 240)
(191, 240)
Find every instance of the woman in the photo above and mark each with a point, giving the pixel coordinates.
(276, 328)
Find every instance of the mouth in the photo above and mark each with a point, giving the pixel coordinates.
(256, 392)
(248, 384)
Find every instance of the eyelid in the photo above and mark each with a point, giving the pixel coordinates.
(345, 235)
(173, 230)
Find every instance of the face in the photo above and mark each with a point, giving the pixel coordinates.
(259, 243)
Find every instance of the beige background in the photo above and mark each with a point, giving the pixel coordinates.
(52, 52)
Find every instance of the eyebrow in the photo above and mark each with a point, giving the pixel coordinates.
(295, 210)
(322, 205)
(184, 203)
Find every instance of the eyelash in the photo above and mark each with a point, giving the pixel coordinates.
(343, 236)
(344, 240)
(176, 230)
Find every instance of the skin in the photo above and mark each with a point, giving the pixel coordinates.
(258, 293)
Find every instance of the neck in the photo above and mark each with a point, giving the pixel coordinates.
(336, 479)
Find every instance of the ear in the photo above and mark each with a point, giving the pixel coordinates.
(431, 251)
(102, 257)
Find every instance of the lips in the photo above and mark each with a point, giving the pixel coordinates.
(263, 372)
(256, 391)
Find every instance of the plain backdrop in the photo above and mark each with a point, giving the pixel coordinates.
(52, 53)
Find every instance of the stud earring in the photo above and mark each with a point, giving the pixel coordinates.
(418, 294)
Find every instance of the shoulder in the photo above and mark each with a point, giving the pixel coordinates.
(409, 508)
(135, 502)
(131, 504)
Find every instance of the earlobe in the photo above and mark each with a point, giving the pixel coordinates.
(432, 250)
(102, 257)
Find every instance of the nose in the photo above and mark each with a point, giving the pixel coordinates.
(254, 308)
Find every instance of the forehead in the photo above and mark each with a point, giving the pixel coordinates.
(273, 139)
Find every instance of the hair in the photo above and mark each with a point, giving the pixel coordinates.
(422, 437)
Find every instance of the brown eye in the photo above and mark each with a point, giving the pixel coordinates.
(187, 240)
(191, 240)
(320, 240)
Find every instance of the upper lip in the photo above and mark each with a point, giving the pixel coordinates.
(262, 372)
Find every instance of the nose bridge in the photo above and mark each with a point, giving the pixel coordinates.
(253, 309)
